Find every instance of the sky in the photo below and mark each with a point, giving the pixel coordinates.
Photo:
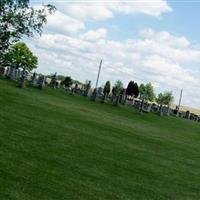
(145, 41)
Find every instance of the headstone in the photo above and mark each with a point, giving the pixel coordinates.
(53, 82)
(33, 81)
(76, 88)
(122, 96)
(99, 91)
(104, 98)
(2, 71)
(137, 104)
(165, 111)
(41, 81)
(193, 117)
(146, 107)
(88, 86)
(18, 74)
(154, 108)
(12, 73)
(129, 102)
(116, 100)
(93, 95)
(23, 78)
(7, 71)
(182, 114)
(187, 114)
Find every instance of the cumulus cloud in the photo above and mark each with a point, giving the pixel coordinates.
(152, 8)
(94, 35)
(101, 10)
(59, 22)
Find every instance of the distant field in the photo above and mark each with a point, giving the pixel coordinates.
(57, 146)
(186, 108)
(193, 110)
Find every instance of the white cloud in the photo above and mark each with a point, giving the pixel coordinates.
(59, 22)
(165, 38)
(85, 11)
(152, 8)
(165, 68)
(101, 10)
(94, 35)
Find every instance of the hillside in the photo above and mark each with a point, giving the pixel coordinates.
(57, 146)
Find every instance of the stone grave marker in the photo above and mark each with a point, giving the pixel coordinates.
(165, 111)
(146, 107)
(33, 81)
(187, 114)
(2, 71)
(41, 81)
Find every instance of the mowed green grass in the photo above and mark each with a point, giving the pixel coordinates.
(57, 146)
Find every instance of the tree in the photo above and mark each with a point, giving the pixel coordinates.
(132, 90)
(106, 90)
(67, 81)
(165, 98)
(18, 18)
(146, 93)
(169, 98)
(61, 77)
(118, 88)
(142, 89)
(20, 56)
(136, 90)
(159, 100)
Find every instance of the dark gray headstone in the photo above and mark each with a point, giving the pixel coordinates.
(146, 107)
(165, 111)
(2, 71)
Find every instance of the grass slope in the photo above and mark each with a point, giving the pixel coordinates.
(57, 146)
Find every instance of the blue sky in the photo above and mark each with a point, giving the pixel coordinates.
(146, 41)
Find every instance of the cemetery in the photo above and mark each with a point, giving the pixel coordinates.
(40, 81)
(63, 139)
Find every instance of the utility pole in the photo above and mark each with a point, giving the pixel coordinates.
(180, 98)
(98, 74)
(94, 94)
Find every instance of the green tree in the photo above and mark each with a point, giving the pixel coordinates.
(146, 93)
(106, 91)
(160, 99)
(67, 81)
(136, 90)
(118, 88)
(132, 90)
(20, 56)
(18, 19)
(169, 98)
(61, 77)
(165, 98)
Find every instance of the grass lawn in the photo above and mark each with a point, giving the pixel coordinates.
(54, 146)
